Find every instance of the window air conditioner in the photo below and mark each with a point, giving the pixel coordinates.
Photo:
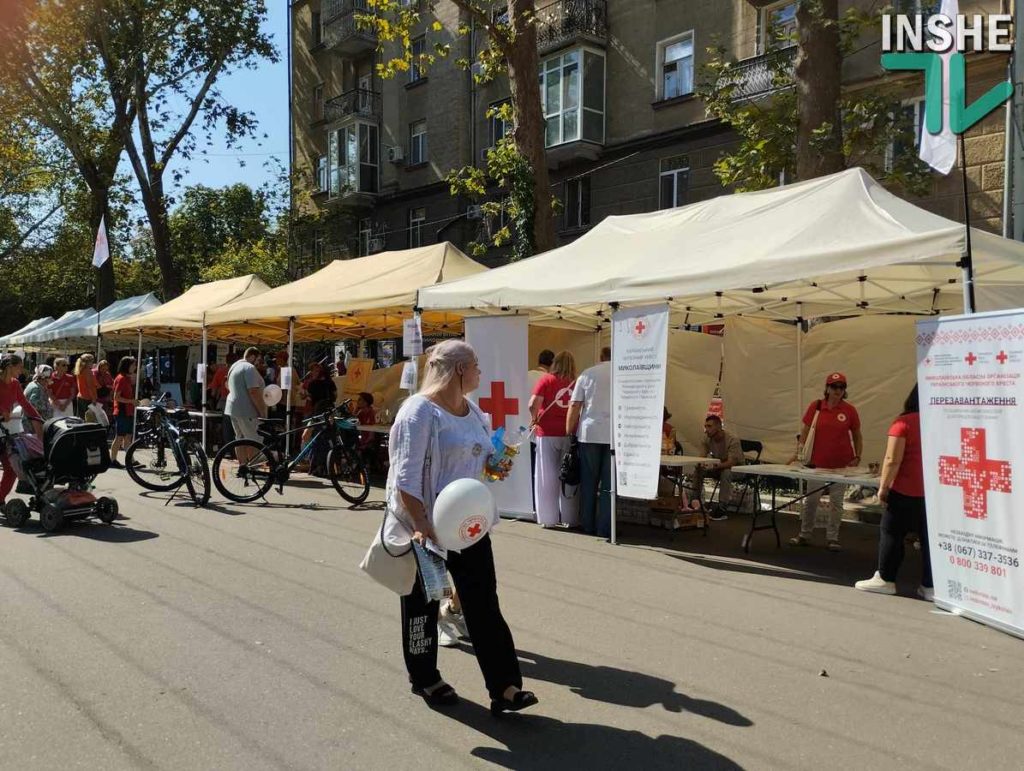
(375, 245)
(474, 212)
(396, 154)
(483, 153)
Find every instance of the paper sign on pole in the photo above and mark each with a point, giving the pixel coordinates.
(970, 373)
(286, 378)
(639, 357)
(408, 382)
(502, 349)
(358, 376)
(200, 373)
(412, 336)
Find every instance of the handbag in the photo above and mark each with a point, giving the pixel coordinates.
(569, 470)
(396, 572)
(805, 452)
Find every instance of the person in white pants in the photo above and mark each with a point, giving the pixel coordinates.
(548, 407)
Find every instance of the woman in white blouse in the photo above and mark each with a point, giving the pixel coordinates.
(439, 436)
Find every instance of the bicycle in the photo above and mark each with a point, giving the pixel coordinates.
(167, 455)
(268, 464)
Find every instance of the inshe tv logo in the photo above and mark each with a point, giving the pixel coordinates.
(917, 43)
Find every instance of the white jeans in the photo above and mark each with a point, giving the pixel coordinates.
(836, 492)
(553, 507)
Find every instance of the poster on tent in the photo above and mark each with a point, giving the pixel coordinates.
(970, 372)
(358, 377)
(501, 344)
(639, 358)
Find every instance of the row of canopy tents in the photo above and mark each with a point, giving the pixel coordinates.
(76, 329)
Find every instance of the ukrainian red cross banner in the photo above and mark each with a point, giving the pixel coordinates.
(502, 346)
(970, 372)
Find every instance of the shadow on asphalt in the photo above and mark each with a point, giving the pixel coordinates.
(97, 531)
(538, 742)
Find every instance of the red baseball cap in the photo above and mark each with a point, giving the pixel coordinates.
(835, 377)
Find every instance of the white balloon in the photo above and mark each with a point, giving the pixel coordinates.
(463, 513)
(272, 395)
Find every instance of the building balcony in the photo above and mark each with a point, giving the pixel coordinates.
(357, 103)
(568, 22)
(341, 30)
(763, 75)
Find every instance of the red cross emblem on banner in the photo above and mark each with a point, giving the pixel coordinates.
(474, 529)
(1002, 357)
(970, 358)
(498, 406)
(640, 327)
(976, 474)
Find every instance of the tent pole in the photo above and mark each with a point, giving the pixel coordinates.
(799, 360)
(138, 381)
(966, 260)
(614, 470)
(202, 384)
(288, 395)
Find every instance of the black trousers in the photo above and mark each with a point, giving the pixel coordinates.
(903, 514)
(472, 570)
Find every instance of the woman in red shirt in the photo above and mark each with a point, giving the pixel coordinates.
(548, 407)
(11, 395)
(837, 443)
(901, 489)
(124, 408)
(63, 389)
(105, 386)
(86, 382)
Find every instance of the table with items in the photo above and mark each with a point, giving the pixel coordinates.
(813, 480)
(673, 468)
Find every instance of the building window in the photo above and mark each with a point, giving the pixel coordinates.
(776, 27)
(499, 14)
(419, 49)
(577, 203)
(365, 236)
(498, 127)
(316, 30)
(675, 62)
(318, 101)
(417, 217)
(418, 142)
(910, 123)
(573, 101)
(353, 159)
(322, 181)
(674, 180)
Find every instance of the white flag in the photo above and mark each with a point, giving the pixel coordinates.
(101, 252)
(939, 150)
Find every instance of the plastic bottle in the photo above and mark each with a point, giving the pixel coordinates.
(506, 446)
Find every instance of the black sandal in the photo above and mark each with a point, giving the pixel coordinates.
(521, 700)
(444, 696)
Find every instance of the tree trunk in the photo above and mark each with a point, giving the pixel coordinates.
(156, 211)
(99, 208)
(818, 83)
(523, 65)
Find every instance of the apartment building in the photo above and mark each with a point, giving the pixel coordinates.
(625, 132)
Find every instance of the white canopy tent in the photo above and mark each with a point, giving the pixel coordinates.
(79, 328)
(40, 334)
(30, 327)
(837, 246)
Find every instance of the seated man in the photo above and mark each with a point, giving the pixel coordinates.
(725, 448)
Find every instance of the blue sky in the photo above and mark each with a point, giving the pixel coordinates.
(263, 91)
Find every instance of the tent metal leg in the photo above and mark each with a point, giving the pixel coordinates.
(288, 394)
(202, 386)
(138, 383)
(614, 470)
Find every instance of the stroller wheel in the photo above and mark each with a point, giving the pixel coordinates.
(51, 517)
(16, 512)
(106, 509)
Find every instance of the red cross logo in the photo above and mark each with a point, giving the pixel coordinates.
(970, 358)
(498, 406)
(975, 473)
(1002, 357)
(474, 530)
(640, 327)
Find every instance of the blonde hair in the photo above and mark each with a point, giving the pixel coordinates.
(564, 366)
(85, 360)
(443, 361)
(61, 362)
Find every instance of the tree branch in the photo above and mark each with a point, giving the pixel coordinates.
(9, 251)
(197, 104)
(499, 38)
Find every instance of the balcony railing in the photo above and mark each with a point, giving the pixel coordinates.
(341, 30)
(764, 74)
(566, 21)
(358, 102)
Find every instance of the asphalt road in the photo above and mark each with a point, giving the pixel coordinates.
(245, 637)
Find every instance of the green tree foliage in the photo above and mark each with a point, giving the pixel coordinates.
(266, 257)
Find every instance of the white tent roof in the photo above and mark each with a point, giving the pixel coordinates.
(32, 325)
(38, 335)
(836, 245)
(80, 326)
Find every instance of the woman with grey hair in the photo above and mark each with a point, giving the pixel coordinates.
(440, 436)
(38, 394)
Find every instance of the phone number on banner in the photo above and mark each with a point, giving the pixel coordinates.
(981, 560)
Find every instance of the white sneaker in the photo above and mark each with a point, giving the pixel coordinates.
(926, 593)
(444, 638)
(458, 621)
(447, 629)
(876, 584)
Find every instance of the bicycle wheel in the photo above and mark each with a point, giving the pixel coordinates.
(348, 475)
(243, 482)
(198, 478)
(150, 463)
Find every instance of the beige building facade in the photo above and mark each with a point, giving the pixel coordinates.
(625, 131)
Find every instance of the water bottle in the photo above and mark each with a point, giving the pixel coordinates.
(506, 446)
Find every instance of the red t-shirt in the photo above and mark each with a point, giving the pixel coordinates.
(556, 393)
(910, 475)
(124, 388)
(833, 445)
(63, 387)
(12, 395)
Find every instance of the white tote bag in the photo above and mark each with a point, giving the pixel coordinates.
(804, 456)
(393, 569)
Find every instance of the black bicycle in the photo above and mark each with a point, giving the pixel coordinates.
(169, 454)
(245, 469)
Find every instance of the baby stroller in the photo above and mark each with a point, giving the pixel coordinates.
(58, 477)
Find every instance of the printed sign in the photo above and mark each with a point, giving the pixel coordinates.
(412, 336)
(408, 382)
(358, 377)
